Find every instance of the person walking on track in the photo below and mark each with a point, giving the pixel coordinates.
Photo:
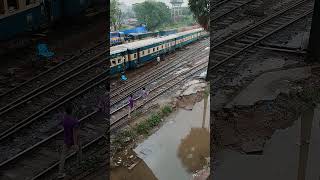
(144, 94)
(158, 59)
(130, 104)
(71, 139)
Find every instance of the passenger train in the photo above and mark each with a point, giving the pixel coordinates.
(135, 54)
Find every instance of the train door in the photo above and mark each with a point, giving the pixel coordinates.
(138, 57)
(53, 9)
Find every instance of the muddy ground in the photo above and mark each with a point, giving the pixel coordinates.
(262, 91)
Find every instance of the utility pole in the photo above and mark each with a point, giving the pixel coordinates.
(314, 38)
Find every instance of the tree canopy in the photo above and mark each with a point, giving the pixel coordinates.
(201, 10)
(153, 14)
(115, 13)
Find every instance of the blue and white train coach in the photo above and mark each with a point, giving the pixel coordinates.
(135, 54)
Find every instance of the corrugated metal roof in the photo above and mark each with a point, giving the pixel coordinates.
(117, 49)
(147, 42)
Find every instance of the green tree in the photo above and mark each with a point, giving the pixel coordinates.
(153, 14)
(115, 14)
(201, 11)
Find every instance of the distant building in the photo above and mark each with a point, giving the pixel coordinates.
(132, 22)
(176, 10)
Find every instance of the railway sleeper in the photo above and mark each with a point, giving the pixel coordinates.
(225, 54)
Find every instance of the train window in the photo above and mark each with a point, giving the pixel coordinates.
(142, 52)
(148, 51)
(157, 48)
(134, 55)
(113, 62)
(154, 49)
(162, 46)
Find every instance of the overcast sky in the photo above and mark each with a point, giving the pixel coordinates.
(130, 2)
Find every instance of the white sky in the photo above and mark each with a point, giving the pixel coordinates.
(130, 2)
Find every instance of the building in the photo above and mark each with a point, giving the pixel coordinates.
(176, 10)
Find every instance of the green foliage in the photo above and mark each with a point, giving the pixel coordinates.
(201, 10)
(143, 128)
(154, 120)
(153, 14)
(115, 13)
(166, 110)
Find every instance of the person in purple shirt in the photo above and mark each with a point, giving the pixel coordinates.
(71, 138)
(130, 104)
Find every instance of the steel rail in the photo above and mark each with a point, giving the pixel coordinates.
(45, 76)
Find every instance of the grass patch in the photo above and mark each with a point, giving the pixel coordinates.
(123, 135)
(144, 127)
(136, 114)
(166, 110)
(154, 120)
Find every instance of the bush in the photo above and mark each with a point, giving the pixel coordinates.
(154, 120)
(166, 110)
(142, 128)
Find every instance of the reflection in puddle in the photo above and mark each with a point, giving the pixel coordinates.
(194, 149)
(180, 147)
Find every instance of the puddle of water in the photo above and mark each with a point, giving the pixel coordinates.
(285, 155)
(269, 85)
(180, 146)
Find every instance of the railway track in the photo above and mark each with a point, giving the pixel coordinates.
(38, 103)
(237, 18)
(46, 150)
(227, 7)
(51, 76)
(22, 164)
(118, 122)
(121, 113)
(157, 74)
(238, 43)
(16, 156)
